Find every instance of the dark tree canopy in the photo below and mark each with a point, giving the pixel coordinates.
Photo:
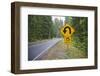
(80, 38)
(42, 27)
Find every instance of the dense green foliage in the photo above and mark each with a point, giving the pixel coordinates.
(42, 27)
(39, 27)
(80, 37)
(56, 27)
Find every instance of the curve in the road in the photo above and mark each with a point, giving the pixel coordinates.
(35, 51)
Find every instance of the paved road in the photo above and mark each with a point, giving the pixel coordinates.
(36, 51)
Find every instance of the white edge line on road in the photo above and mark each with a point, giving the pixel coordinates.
(44, 51)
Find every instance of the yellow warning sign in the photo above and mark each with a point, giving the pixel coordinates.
(67, 32)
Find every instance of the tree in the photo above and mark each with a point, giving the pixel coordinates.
(39, 27)
(81, 31)
(56, 26)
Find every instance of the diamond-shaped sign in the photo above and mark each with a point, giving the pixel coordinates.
(67, 32)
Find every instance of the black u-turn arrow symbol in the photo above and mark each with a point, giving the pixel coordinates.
(66, 30)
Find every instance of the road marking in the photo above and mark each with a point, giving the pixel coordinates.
(45, 50)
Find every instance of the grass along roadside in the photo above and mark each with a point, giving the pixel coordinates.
(60, 51)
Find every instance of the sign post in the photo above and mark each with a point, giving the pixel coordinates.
(67, 32)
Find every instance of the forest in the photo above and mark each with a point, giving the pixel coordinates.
(80, 37)
(42, 27)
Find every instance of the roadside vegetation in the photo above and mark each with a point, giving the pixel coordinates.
(60, 51)
(80, 37)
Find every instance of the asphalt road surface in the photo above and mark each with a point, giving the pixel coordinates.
(36, 51)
